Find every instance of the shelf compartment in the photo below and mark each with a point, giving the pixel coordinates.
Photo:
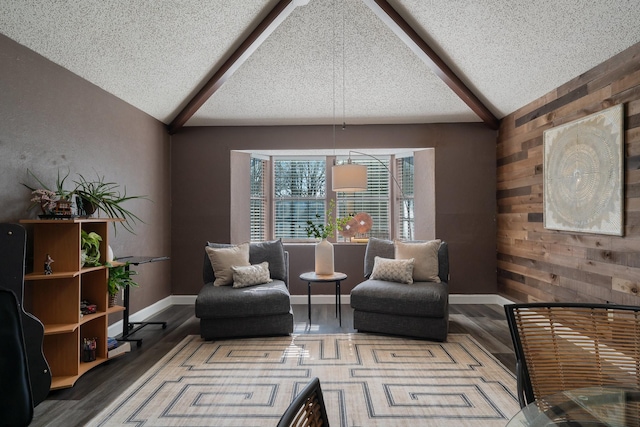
(93, 288)
(61, 351)
(54, 301)
(95, 328)
(59, 239)
(102, 229)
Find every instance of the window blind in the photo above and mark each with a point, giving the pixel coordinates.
(405, 202)
(374, 201)
(258, 200)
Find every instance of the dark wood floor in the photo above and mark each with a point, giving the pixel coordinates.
(94, 390)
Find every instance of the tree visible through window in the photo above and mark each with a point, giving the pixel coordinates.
(299, 195)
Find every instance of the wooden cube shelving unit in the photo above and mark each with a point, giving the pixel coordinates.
(55, 298)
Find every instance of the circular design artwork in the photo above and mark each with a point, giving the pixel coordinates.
(358, 224)
(350, 228)
(582, 190)
(363, 221)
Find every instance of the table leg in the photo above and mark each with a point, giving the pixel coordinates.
(309, 300)
(337, 290)
(339, 304)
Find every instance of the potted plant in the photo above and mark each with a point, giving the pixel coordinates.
(90, 248)
(324, 249)
(119, 278)
(50, 200)
(106, 196)
(89, 195)
(323, 231)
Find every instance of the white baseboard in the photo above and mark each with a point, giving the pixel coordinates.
(145, 313)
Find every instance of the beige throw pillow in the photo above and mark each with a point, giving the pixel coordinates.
(251, 275)
(393, 270)
(425, 255)
(222, 259)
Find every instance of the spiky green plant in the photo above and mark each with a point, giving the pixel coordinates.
(107, 197)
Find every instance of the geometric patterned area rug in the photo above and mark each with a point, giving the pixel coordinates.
(366, 380)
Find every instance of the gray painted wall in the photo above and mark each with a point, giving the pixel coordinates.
(52, 119)
(465, 195)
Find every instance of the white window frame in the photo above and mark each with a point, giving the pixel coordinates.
(393, 199)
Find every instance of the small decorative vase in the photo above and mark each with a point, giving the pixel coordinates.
(324, 257)
(88, 208)
(113, 300)
(109, 254)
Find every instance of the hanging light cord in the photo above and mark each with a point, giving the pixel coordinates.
(333, 75)
(344, 105)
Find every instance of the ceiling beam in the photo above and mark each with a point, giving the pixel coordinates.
(276, 16)
(408, 35)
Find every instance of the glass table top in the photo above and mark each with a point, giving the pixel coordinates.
(593, 406)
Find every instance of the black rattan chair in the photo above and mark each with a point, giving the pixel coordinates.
(307, 408)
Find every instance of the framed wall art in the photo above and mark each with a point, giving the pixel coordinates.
(584, 174)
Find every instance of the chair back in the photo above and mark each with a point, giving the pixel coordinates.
(307, 408)
(16, 401)
(564, 346)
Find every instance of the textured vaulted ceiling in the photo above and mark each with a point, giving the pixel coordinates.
(156, 55)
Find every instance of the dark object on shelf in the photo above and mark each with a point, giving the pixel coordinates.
(47, 265)
(50, 216)
(129, 328)
(112, 343)
(89, 349)
(87, 308)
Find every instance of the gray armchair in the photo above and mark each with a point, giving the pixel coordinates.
(420, 309)
(261, 310)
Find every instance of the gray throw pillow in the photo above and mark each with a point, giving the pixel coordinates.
(377, 247)
(273, 253)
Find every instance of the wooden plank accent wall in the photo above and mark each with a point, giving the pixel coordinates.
(535, 264)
